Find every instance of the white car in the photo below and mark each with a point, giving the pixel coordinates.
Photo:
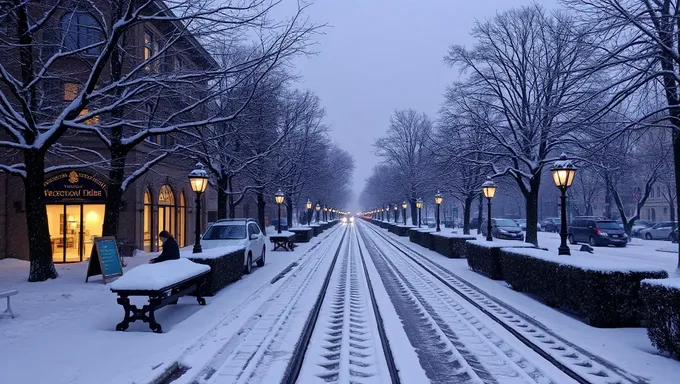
(238, 232)
(662, 231)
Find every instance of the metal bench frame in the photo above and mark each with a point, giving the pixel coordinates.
(285, 242)
(157, 299)
(8, 294)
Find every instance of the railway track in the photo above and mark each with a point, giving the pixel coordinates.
(578, 364)
(346, 340)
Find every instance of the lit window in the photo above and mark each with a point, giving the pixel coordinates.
(71, 91)
(80, 30)
(94, 120)
(151, 48)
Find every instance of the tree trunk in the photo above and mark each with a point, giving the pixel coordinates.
(114, 192)
(467, 208)
(414, 212)
(230, 197)
(222, 187)
(608, 202)
(671, 205)
(676, 163)
(260, 210)
(480, 212)
(289, 212)
(531, 235)
(39, 245)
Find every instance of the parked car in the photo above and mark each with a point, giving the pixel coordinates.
(430, 222)
(284, 223)
(474, 223)
(639, 226)
(551, 224)
(660, 231)
(503, 229)
(522, 223)
(596, 231)
(238, 232)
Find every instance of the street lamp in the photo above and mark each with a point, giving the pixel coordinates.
(309, 211)
(198, 178)
(419, 205)
(325, 214)
(489, 190)
(563, 172)
(279, 197)
(396, 213)
(438, 198)
(318, 208)
(403, 206)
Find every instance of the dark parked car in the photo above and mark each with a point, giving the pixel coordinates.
(551, 224)
(474, 223)
(504, 229)
(284, 223)
(596, 231)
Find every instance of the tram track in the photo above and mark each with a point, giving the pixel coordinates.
(580, 365)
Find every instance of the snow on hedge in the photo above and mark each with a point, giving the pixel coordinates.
(300, 229)
(149, 277)
(583, 260)
(670, 283)
(453, 235)
(210, 253)
(496, 243)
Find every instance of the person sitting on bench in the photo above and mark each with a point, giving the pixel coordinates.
(170, 248)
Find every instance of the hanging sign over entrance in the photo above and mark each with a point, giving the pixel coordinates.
(74, 187)
(105, 259)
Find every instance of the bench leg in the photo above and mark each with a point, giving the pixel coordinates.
(8, 311)
(151, 318)
(199, 297)
(125, 302)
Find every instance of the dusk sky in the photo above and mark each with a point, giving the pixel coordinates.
(380, 55)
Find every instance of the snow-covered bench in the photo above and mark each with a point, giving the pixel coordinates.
(283, 240)
(163, 283)
(8, 294)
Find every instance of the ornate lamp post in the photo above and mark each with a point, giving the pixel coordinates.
(387, 212)
(438, 198)
(489, 190)
(563, 172)
(419, 205)
(279, 197)
(198, 178)
(325, 213)
(396, 213)
(403, 207)
(318, 208)
(309, 211)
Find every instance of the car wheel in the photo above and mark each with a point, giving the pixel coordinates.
(648, 236)
(249, 265)
(592, 241)
(571, 239)
(260, 263)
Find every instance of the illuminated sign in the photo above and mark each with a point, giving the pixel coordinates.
(74, 187)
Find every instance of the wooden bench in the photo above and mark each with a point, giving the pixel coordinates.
(8, 294)
(158, 298)
(283, 241)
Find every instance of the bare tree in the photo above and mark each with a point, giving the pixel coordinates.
(406, 147)
(522, 70)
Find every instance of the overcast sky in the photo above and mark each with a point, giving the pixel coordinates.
(380, 55)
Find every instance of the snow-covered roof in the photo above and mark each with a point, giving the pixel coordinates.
(150, 277)
(584, 260)
(672, 283)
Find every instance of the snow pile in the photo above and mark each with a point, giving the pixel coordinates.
(211, 253)
(583, 260)
(156, 276)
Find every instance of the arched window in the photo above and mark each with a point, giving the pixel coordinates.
(166, 210)
(147, 222)
(182, 221)
(80, 30)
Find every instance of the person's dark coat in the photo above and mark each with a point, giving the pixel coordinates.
(170, 251)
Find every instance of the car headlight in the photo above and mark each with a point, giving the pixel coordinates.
(603, 234)
(351, 219)
(344, 219)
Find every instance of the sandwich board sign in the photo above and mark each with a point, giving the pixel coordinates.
(104, 259)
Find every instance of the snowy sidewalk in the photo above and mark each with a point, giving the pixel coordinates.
(69, 324)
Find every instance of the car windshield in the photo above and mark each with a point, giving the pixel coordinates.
(225, 232)
(505, 223)
(608, 225)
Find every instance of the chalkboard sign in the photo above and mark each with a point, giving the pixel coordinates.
(104, 259)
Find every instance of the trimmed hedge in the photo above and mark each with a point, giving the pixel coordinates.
(451, 247)
(606, 298)
(486, 259)
(662, 313)
(316, 230)
(303, 235)
(223, 271)
(413, 235)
